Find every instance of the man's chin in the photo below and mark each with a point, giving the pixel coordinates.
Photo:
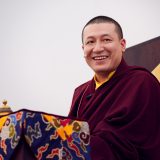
(102, 72)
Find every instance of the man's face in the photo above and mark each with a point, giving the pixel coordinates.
(102, 47)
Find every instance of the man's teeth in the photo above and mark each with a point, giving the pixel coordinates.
(100, 57)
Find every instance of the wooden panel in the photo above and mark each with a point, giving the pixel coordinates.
(146, 54)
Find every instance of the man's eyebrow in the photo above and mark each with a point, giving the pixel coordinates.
(89, 37)
(103, 35)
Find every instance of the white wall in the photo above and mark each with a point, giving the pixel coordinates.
(41, 60)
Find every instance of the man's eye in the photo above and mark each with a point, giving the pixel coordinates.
(107, 40)
(89, 42)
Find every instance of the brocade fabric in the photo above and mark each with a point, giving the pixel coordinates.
(48, 136)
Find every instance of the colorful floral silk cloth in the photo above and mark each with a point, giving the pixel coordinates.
(48, 136)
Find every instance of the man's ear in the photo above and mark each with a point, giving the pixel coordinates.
(83, 51)
(82, 46)
(123, 44)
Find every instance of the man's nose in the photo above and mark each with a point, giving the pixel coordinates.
(99, 47)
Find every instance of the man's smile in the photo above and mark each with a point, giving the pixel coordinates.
(100, 57)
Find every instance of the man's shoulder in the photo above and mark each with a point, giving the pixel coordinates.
(137, 72)
(81, 88)
(83, 85)
(141, 71)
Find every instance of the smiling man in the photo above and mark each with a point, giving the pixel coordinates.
(103, 48)
(121, 103)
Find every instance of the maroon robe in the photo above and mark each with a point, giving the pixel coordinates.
(123, 115)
